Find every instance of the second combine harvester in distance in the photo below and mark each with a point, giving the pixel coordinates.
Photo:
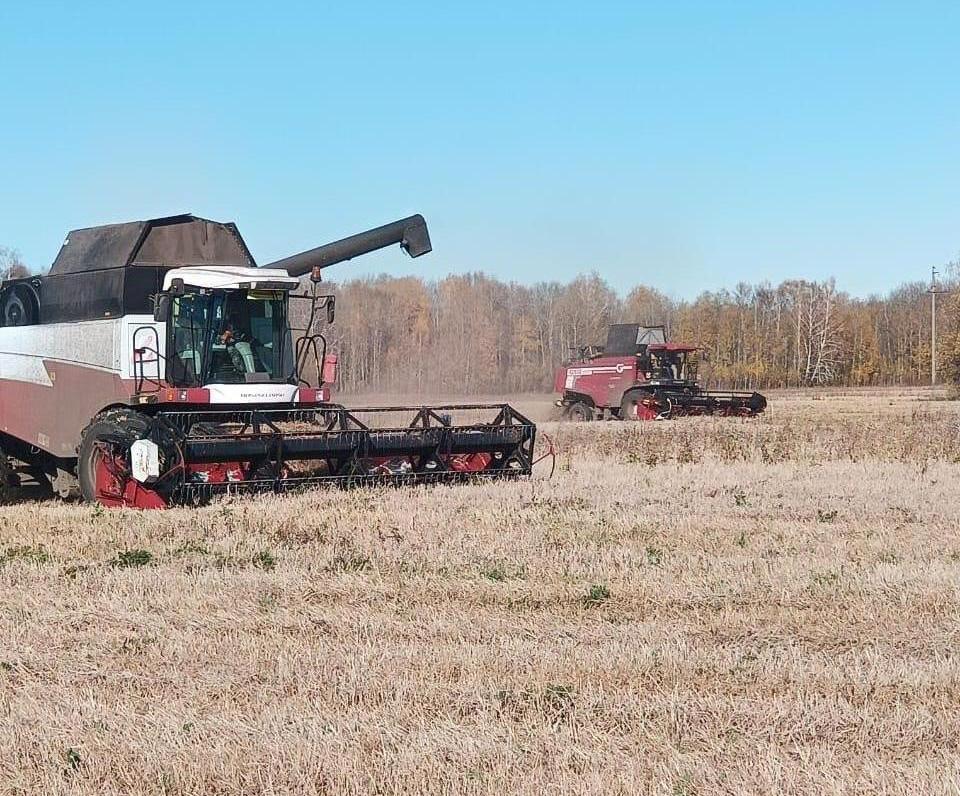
(155, 364)
(638, 375)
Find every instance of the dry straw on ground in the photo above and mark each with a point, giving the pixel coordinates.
(695, 607)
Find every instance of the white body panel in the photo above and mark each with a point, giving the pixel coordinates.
(252, 393)
(144, 333)
(106, 345)
(113, 346)
(229, 277)
(145, 461)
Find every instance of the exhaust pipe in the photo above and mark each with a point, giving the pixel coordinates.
(411, 233)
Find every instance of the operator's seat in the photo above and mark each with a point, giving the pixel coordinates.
(245, 350)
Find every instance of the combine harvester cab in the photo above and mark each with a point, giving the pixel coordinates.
(639, 375)
(156, 365)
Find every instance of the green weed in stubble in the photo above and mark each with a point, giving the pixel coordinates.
(36, 553)
(264, 560)
(825, 578)
(70, 572)
(651, 457)
(73, 761)
(191, 548)
(596, 595)
(499, 572)
(348, 560)
(138, 644)
(132, 558)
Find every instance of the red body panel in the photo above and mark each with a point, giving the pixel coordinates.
(52, 417)
(603, 379)
(329, 375)
(115, 489)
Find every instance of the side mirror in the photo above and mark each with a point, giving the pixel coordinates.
(331, 309)
(161, 307)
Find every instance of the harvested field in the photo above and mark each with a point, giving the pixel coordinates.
(688, 607)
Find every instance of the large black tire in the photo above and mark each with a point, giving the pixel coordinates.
(9, 482)
(121, 427)
(580, 412)
(757, 403)
(19, 306)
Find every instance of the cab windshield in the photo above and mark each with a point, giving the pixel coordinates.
(228, 337)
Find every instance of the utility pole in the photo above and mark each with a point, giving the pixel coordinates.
(933, 291)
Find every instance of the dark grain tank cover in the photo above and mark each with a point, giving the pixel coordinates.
(113, 270)
(168, 242)
(629, 339)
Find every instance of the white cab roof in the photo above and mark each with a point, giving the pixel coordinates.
(225, 277)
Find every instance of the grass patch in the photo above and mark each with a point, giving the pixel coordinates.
(496, 573)
(597, 594)
(191, 548)
(36, 553)
(826, 578)
(73, 759)
(127, 559)
(654, 556)
(264, 560)
(348, 560)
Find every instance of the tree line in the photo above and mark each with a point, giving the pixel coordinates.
(474, 334)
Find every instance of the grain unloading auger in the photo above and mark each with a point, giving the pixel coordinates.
(155, 364)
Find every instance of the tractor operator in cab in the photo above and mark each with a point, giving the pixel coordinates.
(231, 333)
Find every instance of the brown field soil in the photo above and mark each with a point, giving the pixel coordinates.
(695, 606)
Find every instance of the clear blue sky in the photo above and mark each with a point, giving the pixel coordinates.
(683, 145)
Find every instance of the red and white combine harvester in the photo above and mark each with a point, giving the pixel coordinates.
(155, 364)
(638, 375)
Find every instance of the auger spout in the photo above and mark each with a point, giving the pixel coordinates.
(411, 233)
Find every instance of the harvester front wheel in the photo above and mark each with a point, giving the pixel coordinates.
(101, 469)
(580, 412)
